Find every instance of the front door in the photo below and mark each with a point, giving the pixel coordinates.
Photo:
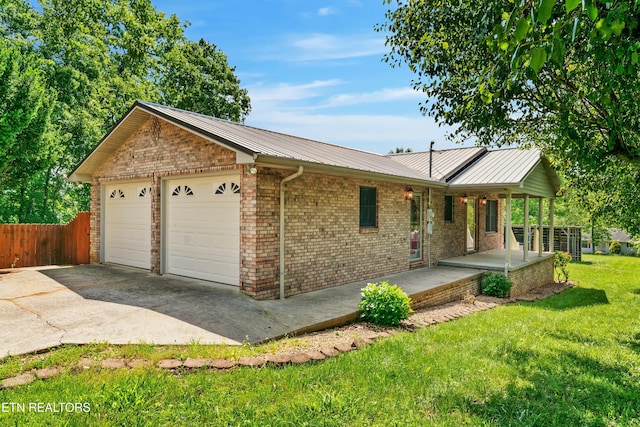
(416, 228)
(472, 225)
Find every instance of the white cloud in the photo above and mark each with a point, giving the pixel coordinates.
(282, 108)
(288, 92)
(378, 96)
(324, 11)
(376, 132)
(322, 47)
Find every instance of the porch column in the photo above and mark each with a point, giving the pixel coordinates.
(507, 236)
(551, 231)
(525, 254)
(540, 227)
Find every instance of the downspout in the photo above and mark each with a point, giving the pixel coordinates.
(282, 266)
(429, 209)
(429, 227)
(507, 235)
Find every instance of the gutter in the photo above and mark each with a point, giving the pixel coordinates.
(282, 264)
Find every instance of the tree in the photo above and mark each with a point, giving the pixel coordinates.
(25, 108)
(558, 75)
(197, 77)
(94, 58)
(400, 150)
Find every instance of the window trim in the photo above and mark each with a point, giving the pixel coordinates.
(370, 210)
(489, 224)
(444, 216)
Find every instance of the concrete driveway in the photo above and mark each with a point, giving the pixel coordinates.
(42, 307)
(46, 307)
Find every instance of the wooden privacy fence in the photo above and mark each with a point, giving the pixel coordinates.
(29, 245)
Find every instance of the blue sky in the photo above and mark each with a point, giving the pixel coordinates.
(314, 69)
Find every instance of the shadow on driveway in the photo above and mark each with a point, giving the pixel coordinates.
(217, 308)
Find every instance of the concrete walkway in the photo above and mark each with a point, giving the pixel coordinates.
(43, 307)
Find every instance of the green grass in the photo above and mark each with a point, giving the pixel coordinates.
(570, 360)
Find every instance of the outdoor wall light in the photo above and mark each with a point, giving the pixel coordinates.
(408, 193)
(253, 170)
(464, 199)
(483, 201)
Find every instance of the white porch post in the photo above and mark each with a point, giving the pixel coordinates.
(525, 229)
(551, 231)
(540, 227)
(507, 236)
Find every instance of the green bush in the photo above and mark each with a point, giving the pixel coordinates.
(384, 304)
(560, 262)
(615, 247)
(496, 285)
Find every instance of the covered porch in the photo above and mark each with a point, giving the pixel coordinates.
(526, 274)
(507, 175)
(494, 260)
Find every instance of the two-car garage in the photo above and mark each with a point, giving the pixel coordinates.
(200, 226)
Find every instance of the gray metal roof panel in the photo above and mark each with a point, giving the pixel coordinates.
(274, 144)
(508, 167)
(445, 163)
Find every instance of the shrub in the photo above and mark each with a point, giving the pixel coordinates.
(496, 285)
(598, 253)
(615, 247)
(560, 265)
(384, 304)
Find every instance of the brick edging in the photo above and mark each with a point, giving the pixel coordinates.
(278, 359)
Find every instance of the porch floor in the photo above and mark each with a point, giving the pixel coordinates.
(337, 306)
(494, 260)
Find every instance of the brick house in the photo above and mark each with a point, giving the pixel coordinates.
(180, 193)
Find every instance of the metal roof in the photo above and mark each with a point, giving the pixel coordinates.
(516, 170)
(459, 168)
(259, 144)
(508, 167)
(445, 163)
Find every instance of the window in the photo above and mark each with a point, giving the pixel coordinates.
(448, 208)
(224, 189)
(416, 228)
(492, 216)
(117, 194)
(144, 192)
(368, 201)
(182, 190)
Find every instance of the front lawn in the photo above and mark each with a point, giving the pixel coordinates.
(570, 360)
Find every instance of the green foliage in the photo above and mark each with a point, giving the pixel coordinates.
(400, 150)
(25, 108)
(198, 78)
(496, 285)
(84, 62)
(384, 304)
(560, 262)
(615, 247)
(561, 76)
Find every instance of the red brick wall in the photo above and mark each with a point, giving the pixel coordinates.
(158, 149)
(454, 291)
(531, 277)
(324, 243)
(260, 233)
(324, 247)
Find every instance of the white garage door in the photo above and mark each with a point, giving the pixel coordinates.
(203, 228)
(128, 224)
